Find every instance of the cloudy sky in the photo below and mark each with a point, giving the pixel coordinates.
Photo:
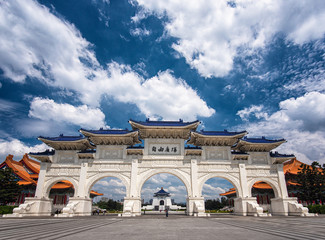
(236, 65)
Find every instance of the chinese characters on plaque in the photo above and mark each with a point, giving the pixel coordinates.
(172, 149)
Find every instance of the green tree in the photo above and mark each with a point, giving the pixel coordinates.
(311, 181)
(110, 205)
(9, 187)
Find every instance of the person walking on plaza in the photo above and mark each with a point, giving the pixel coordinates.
(166, 212)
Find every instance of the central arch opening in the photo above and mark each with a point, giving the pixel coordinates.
(219, 195)
(110, 193)
(161, 192)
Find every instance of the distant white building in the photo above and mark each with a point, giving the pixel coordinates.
(161, 201)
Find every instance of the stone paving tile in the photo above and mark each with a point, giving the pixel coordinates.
(159, 227)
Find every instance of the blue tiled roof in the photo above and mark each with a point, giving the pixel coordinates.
(108, 131)
(46, 152)
(135, 147)
(64, 138)
(88, 151)
(276, 154)
(179, 123)
(261, 140)
(239, 153)
(194, 147)
(220, 133)
(161, 192)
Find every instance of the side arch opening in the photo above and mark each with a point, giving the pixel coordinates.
(60, 191)
(264, 191)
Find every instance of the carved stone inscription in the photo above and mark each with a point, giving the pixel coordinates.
(259, 158)
(216, 155)
(66, 158)
(164, 149)
(112, 154)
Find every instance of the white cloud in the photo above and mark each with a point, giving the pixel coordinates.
(210, 32)
(84, 116)
(111, 187)
(301, 122)
(31, 46)
(254, 110)
(140, 32)
(18, 148)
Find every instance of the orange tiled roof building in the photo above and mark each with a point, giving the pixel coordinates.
(27, 171)
(264, 192)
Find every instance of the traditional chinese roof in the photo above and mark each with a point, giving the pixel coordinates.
(135, 150)
(112, 136)
(257, 185)
(93, 192)
(164, 129)
(280, 158)
(27, 171)
(67, 142)
(239, 155)
(289, 167)
(31, 164)
(292, 166)
(215, 138)
(161, 193)
(193, 151)
(257, 144)
(87, 154)
(19, 170)
(45, 156)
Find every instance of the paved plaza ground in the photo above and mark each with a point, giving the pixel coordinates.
(159, 227)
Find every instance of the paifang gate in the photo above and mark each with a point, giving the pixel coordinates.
(173, 147)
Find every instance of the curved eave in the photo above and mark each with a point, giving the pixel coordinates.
(18, 169)
(130, 138)
(279, 160)
(134, 151)
(138, 125)
(91, 134)
(199, 139)
(81, 144)
(252, 147)
(193, 152)
(42, 158)
(86, 155)
(31, 164)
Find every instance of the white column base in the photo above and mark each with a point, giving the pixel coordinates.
(196, 207)
(248, 207)
(77, 207)
(289, 206)
(131, 207)
(33, 207)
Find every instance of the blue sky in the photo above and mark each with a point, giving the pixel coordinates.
(236, 65)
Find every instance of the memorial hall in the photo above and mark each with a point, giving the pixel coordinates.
(153, 147)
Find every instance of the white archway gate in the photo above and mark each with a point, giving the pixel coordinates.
(83, 160)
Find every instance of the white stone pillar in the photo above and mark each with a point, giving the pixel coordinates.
(82, 191)
(241, 201)
(282, 182)
(195, 202)
(40, 191)
(243, 180)
(81, 203)
(132, 203)
(280, 204)
(194, 179)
